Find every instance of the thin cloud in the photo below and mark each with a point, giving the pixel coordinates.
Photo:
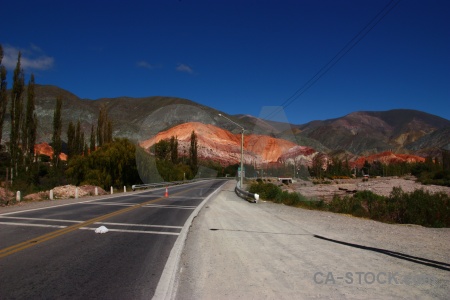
(184, 68)
(32, 58)
(146, 65)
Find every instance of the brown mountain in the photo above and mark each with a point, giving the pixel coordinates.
(374, 132)
(139, 119)
(222, 146)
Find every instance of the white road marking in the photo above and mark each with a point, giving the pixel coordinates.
(136, 231)
(33, 225)
(88, 228)
(40, 219)
(87, 201)
(170, 206)
(112, 203)
(140, 225)
(71, 221)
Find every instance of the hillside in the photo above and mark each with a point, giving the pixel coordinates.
(223, 146)
(138, 119)
(373, 132)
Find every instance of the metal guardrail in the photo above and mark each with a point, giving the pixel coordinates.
(150, 185)
(163, 184)
(246, 195)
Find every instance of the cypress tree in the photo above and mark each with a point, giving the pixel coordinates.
(3, 95)
(70, 140)
(174, 149)
(108, 134)
(104, 127)
(193, 159)
(30, 125)
(92, 140)
(446, 160)
(101, 126)
(57, 124)
(79, 139)
(82, 144)
(16, 115)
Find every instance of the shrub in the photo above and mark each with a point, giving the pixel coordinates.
(419, 207)
(268, 191)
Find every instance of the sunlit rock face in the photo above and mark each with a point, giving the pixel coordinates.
(46, 149)
(387, 158)
(222, 146)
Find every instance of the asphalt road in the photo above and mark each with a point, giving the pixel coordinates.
(54, 252)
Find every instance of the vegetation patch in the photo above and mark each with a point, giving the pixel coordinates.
(419, 207)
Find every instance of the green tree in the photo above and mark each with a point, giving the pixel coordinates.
(16, 112)
(70, 140)
(92, 140)
(3, 94)
(446, 160)
(193, 153)
(317, 165)
(174, 149)
(112, 165)
(162, 150)
(104, 127)
(79, 140)
(57, 126)
(29, 128)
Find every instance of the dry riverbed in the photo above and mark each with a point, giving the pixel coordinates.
(381, 186)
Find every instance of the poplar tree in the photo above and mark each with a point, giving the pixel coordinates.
(174, 149)
(29, 127)
(3, 95)
(16, 115)
(70, 140)
(92, 140)
(446, 160)
(57, 125)
(193, 153)
(104, 128)
(79, 139)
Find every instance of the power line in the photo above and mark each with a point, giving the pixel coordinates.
(332, 62)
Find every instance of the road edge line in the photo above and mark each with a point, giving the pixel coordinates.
(166, 288)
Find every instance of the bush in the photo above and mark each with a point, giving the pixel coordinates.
(268, 191)
(419, 207)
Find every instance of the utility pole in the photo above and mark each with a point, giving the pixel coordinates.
(241, 181)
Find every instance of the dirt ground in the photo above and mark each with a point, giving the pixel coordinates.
(381, 186)
(241, 250)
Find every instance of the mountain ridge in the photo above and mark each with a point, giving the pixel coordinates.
(361, 132)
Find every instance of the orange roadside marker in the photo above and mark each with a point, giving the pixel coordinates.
(167, 192)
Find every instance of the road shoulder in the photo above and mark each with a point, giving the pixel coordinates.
(237, 249)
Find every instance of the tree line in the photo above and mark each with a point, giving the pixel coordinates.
(100, 160)
(434, 170)
(170, 165)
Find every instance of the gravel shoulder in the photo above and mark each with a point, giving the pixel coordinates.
(240, 250)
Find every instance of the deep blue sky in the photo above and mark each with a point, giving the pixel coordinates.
(238, 56)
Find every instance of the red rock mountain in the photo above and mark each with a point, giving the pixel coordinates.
(220, 145)
(387, 158)
(46, 149)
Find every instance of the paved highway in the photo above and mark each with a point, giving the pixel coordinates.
(54, 252)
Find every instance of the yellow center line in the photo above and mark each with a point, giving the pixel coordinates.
(32, 242)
